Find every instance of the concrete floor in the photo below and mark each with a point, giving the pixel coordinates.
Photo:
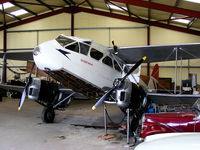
(24, 130)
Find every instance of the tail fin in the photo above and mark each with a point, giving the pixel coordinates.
(154, 78)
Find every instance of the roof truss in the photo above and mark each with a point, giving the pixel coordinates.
(75, 7)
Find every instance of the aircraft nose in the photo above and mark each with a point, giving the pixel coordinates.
(36, 51)
(46, 56)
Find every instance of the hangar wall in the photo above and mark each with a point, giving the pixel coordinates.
(101, 29)
(160, 36)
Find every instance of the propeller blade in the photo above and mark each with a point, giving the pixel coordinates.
(25, 90)
(103, 98)
(22, 99)
(107, 94)
(137, 64)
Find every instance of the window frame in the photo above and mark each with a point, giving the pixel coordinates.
(106, 63)
(97, 51)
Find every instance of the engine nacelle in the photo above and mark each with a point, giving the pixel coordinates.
(34, 89)
(131, 95)
(123, 95)
(43, 90)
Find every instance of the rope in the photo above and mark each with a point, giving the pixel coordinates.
(112, 120)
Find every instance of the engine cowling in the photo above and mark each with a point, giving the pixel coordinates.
(43, 90)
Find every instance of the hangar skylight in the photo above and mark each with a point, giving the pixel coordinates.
(6, 5)
(194, 1)
(115, 7)
(19, 12)
(185, 21)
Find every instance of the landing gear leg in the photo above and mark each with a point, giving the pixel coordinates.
(48, 114)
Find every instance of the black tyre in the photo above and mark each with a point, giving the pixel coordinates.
(48, 115)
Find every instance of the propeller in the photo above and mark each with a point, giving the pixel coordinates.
(25, 89)
(115, 48)
(118, 83)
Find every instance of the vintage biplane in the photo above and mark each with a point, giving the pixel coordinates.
(84, 66)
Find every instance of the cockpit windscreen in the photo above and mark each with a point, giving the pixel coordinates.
(62, 40)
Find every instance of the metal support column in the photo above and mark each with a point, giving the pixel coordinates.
(105, 120)
(4, 67)
(175, 79)
(72, 23)
(128, 126)
(128, 129)
(148, 43)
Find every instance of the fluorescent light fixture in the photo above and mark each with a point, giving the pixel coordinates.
(193, 1)
(115, 7)
(185, 21)
(19, 12)
(6, 5)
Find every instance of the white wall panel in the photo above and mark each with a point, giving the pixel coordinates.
(21, 40)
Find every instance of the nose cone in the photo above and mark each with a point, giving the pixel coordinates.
(46, 56)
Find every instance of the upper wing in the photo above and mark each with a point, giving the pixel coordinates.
(160, 53)
(17, 55)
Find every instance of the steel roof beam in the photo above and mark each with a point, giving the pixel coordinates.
(191, 22)
(152, 23)
(44, 4)
(3, 1)
(67, 10)
(161, 7)
(68, 3)
(72, 2)
(123, 9)
(176, 4)
(89, 3)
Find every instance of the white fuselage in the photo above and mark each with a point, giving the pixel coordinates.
(57, 55)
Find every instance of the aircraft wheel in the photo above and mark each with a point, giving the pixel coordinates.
(48, 115)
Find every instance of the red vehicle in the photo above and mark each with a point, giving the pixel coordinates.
(186, 121)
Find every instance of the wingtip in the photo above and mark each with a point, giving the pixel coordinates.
(116, 53)
(93, 108)
(19, 108)
(144, 58)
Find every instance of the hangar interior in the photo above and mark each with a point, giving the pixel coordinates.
(128, 23)
(90, 24)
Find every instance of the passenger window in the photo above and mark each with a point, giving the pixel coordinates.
(62, 40)
(96, 54)
(108, 61)
(125, 69)
(84, 48)
(73, 47)
(117, 66)
(87, 42)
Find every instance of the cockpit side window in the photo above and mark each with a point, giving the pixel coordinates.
(62, 40)
(96, 54)
(116, 66)
(108, 61)
(84, 48)
(73, 47)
